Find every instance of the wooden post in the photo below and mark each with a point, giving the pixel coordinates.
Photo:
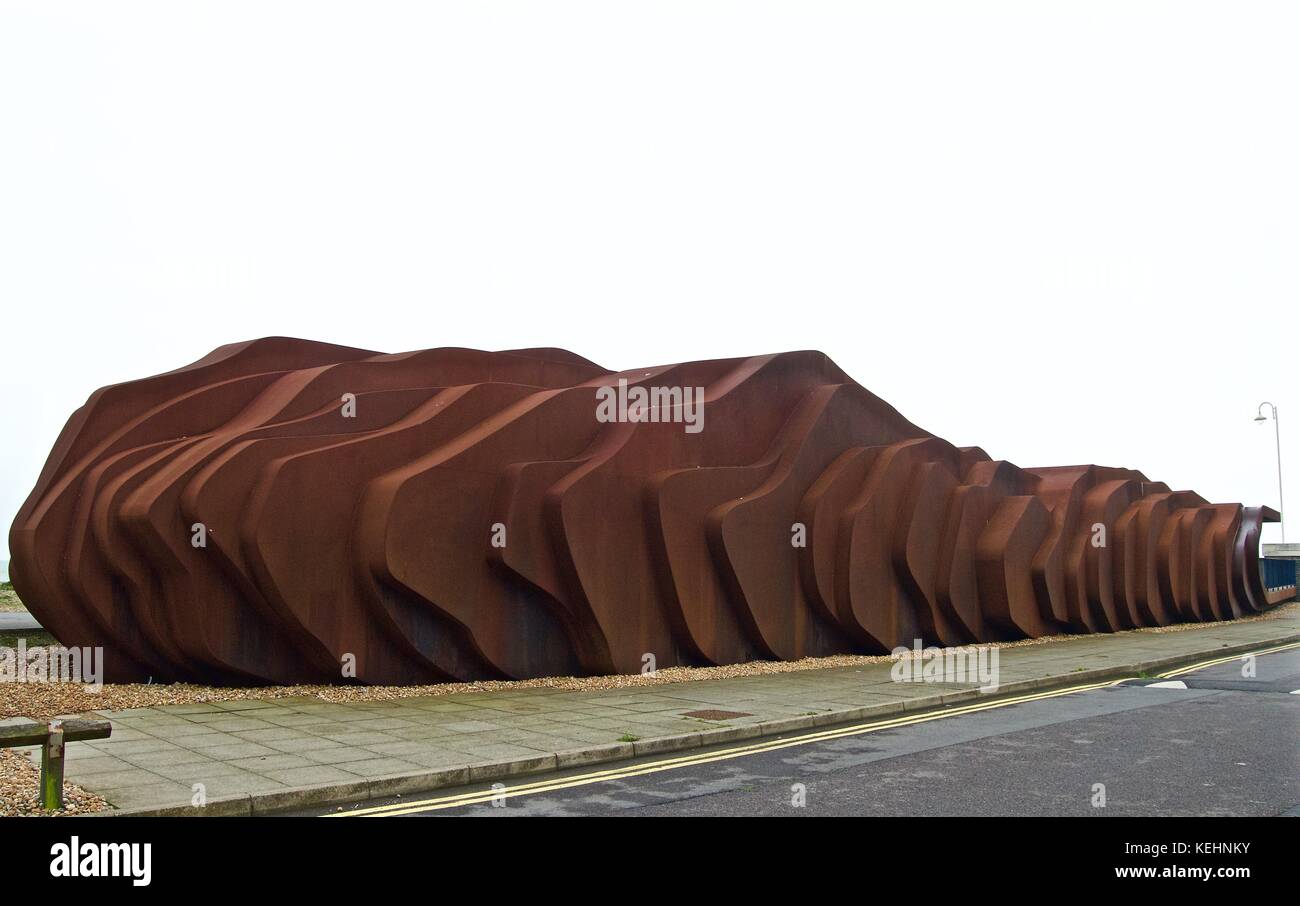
(51, 737)
(52, 768)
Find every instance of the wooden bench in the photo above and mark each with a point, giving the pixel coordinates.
(51, 736)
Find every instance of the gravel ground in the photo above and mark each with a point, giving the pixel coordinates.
(42, 701)
(20, 785)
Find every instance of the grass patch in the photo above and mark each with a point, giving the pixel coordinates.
(9, 598)
(35, 638)
(628, 737)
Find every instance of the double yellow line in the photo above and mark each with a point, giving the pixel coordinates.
(668, 764)
(1224, 660)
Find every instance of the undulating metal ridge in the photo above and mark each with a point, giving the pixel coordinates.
(287, 511)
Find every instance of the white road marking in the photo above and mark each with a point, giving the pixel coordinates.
(1168, 684)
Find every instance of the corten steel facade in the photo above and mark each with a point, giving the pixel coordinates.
(470, 516)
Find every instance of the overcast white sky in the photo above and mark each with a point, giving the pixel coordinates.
(1066, 232)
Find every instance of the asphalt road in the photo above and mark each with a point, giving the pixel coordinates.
(18, 621)
(1225, 745)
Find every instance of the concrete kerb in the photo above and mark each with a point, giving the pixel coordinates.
(261, 803)
(597, 754)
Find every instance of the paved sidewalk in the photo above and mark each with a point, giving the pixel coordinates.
(279, 753)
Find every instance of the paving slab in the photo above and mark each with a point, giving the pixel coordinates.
(306, 751)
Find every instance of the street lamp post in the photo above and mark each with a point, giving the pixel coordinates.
(1277, 437)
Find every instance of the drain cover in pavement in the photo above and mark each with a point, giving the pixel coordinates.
(716, 715)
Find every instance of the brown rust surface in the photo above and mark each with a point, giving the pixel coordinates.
(332, 539)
